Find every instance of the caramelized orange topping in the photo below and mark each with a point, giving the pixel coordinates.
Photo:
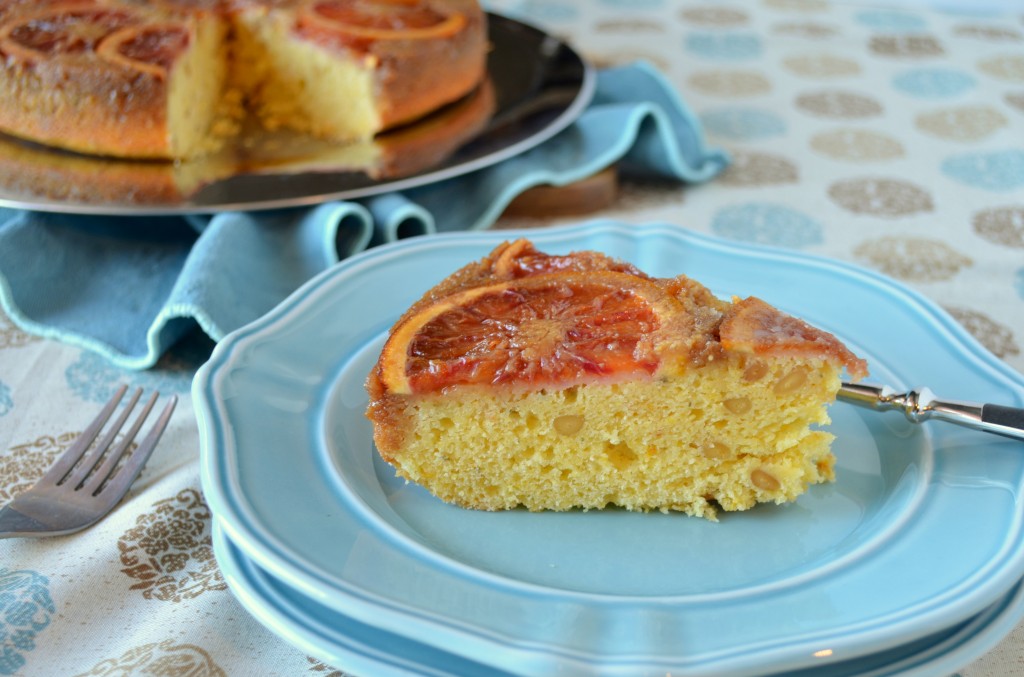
(755, 327)
(523, 317)
(521, 259)
(64, 28)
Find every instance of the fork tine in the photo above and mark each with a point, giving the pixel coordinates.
(77, 474)
(118, 485)
(70, 457)
(91, 480)
(126, 475)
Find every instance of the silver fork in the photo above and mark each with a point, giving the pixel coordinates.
(80, 488)
(921, 405)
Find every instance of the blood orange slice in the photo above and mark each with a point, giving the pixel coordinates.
(63, 28)
(151, 48)
(363, 21)
(555, 329)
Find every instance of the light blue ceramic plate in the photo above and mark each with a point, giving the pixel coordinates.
(364, 650)
(921, 530)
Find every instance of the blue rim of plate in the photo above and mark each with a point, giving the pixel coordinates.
(346, 644)
(848, 568)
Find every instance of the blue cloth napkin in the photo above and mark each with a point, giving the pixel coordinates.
(129, 287)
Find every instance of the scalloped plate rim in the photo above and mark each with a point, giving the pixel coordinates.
(279, 565)
(977, 636)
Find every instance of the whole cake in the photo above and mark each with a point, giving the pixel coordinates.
(577, 381)
(174, 78)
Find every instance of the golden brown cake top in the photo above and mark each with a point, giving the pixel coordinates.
(147, 35)
(524, 318)
(36, 31)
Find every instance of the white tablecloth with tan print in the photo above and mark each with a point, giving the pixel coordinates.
(892, 138)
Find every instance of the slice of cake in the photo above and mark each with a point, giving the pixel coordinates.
(577, 381)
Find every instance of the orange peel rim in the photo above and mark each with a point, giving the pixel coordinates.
(451, 25)
(108, 47)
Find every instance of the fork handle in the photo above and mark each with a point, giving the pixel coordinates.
(1005, 417)
(14, 523)
(921, 405)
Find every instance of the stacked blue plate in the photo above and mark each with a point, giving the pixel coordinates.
(909, 562)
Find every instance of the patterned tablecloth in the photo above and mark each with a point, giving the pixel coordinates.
(890, 138)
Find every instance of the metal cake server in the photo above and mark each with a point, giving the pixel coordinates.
(921, 405)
